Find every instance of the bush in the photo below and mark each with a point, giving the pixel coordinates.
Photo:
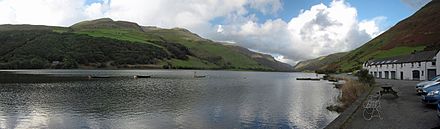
(364, 77)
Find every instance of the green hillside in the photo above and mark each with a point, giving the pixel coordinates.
(419, 32)
(166, 48)
(319, 63)
(47, 49)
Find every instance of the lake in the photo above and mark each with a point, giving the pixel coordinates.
(169, 99)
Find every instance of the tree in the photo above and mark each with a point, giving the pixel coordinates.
(70, 62)
(38, 62)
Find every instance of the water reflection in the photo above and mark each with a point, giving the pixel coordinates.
(168, 100)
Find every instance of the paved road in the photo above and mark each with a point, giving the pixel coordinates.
(404, 112)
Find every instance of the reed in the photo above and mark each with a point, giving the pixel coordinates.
(350, 91)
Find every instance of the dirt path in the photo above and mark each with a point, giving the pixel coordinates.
(404, 112)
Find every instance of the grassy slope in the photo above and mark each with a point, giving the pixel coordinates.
(192, 63)
(319, 63)
(128, 35)
(37, 49)
(199, 47)
(205, 48)
(417, 32)
(204, 51)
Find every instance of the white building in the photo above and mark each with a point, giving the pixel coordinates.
(416, 66)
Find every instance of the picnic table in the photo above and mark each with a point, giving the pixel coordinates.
(388, 89)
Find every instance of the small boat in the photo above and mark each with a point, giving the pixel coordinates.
(312, 79)
(198, 76)
(333, 80)
(325, 77)
(91, 76)
(141, 76)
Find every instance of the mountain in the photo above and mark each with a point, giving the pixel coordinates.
(104, 43)
(319, 63)
(419, 32)
(264, 59)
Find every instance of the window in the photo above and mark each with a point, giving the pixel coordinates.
(422, 73)
(401, 65)
(419, 63)
(433, 63)
(412, 65)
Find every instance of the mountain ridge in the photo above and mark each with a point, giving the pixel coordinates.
(178, 47)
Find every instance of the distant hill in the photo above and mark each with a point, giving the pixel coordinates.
(264, 59)
(419, 32)
(104, 43)
(319, 63)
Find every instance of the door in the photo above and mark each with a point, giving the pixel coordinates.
(401, 75)
(393, 74)
(416, 74)
(431, 73)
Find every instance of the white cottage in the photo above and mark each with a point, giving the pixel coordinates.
(416, 66)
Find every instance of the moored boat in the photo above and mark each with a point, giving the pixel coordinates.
(142, 76)
(312, 79)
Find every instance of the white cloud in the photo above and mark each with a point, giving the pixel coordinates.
(220, 28)
(47, 12)
(323, 30)
(371, 27)
(317, 31)
(267, 6)
(284, 59)
(192, 14)
(95, 10)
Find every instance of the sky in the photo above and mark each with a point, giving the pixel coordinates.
(289, 30)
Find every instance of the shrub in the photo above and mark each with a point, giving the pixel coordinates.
(364, 77)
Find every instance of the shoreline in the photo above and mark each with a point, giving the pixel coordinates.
(241, 70)
(348, 112)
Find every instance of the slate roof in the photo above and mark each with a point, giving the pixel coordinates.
(415, 57)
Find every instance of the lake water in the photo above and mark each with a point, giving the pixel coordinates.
(170, 99)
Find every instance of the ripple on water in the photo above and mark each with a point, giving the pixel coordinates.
(170, 99)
